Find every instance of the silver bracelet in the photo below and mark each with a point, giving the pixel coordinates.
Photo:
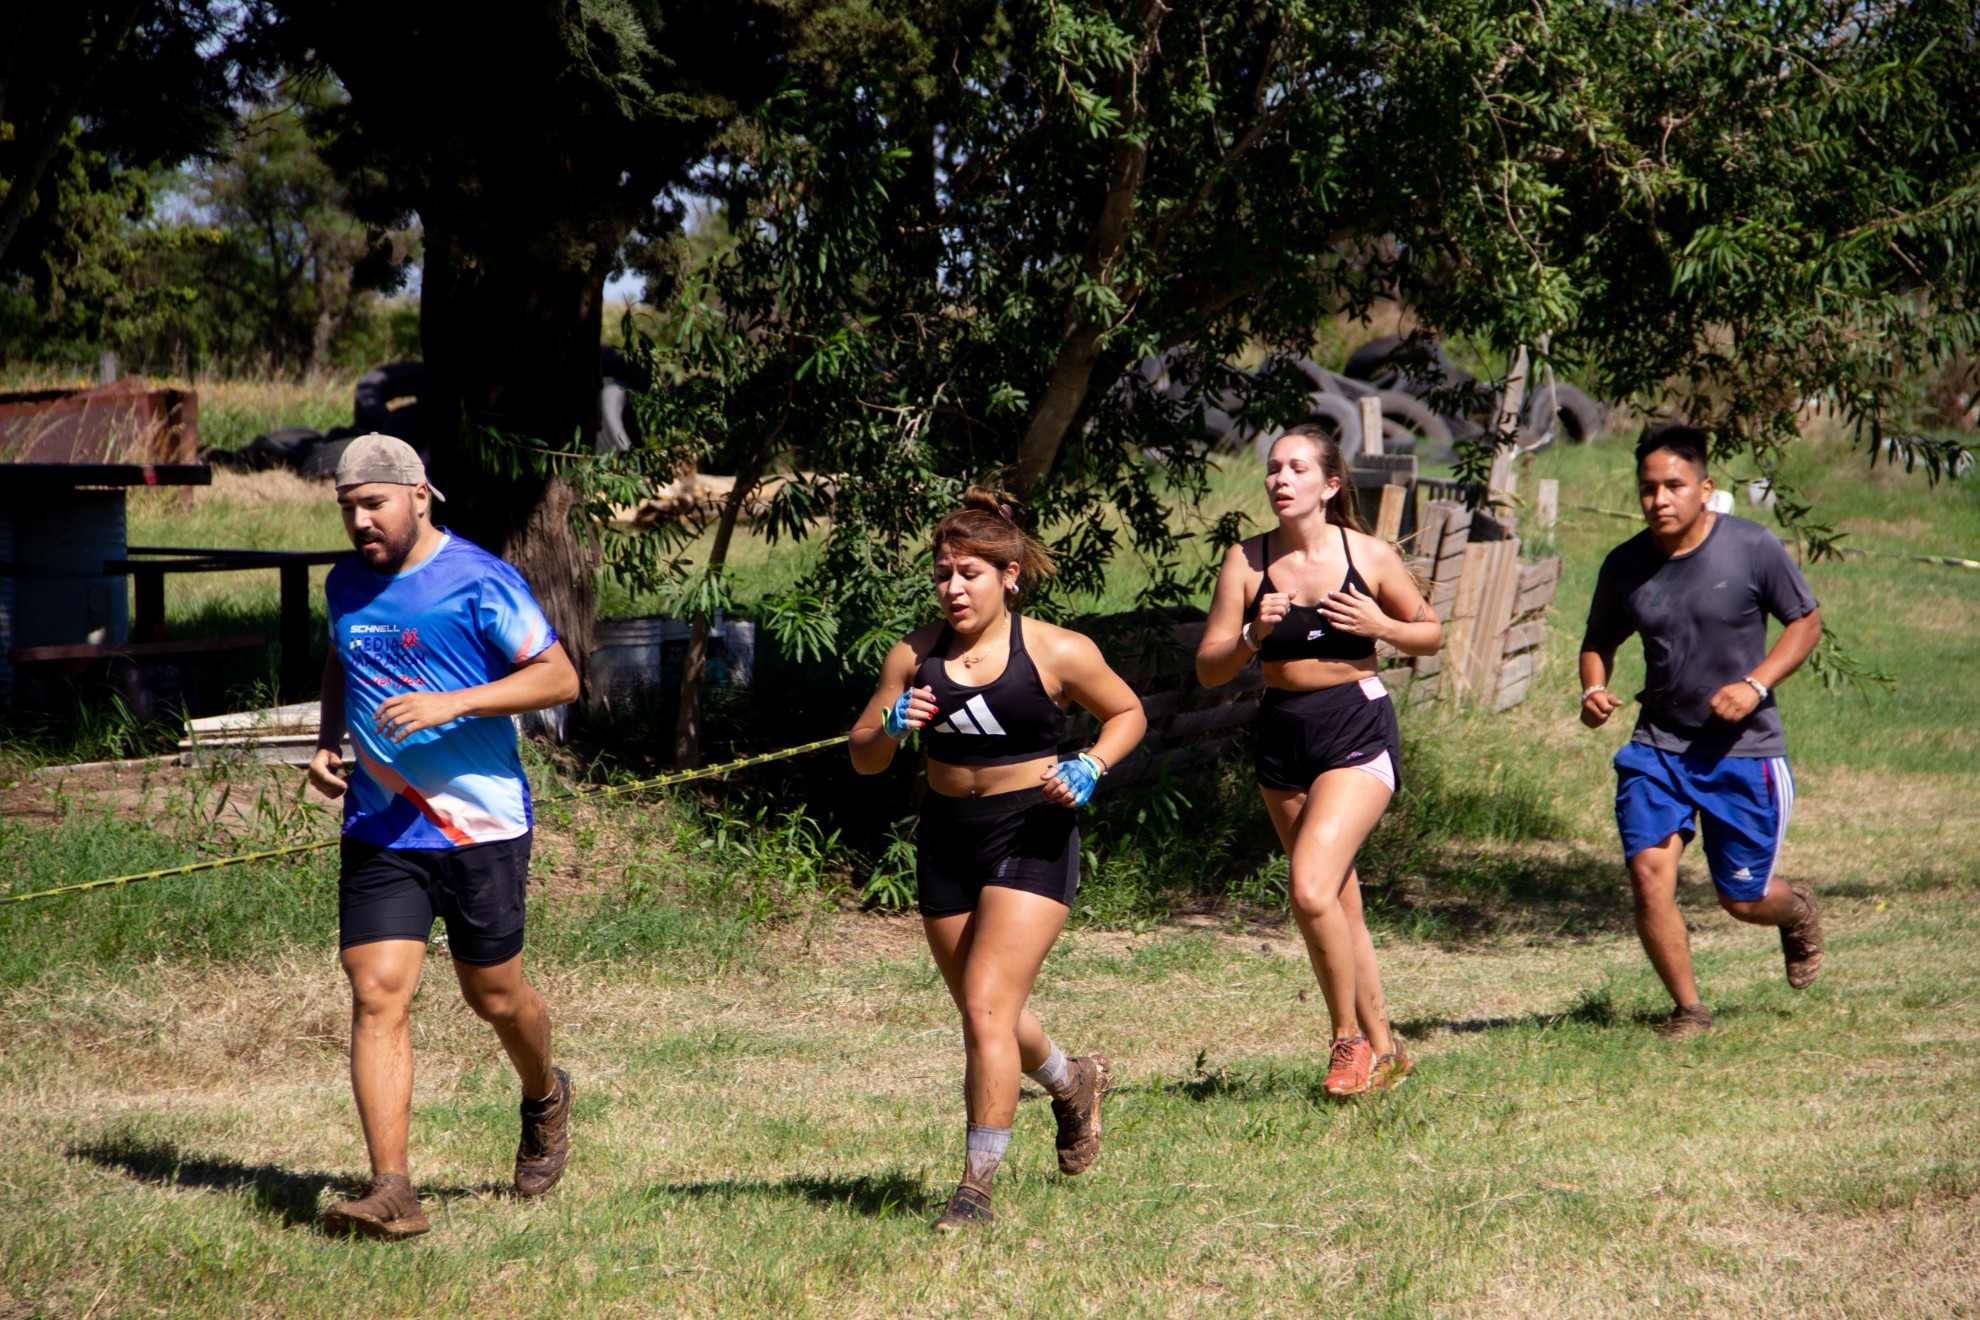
(1756, 685)
(1588, 692)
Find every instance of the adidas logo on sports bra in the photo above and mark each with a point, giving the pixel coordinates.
(974, 717)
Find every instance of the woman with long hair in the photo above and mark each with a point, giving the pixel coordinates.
(1327, 751)
(997, 847)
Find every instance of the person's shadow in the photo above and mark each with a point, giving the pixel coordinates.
(293, 1196)
(872, 1195)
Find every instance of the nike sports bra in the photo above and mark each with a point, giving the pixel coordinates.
(1007, 720)
(1303, 633)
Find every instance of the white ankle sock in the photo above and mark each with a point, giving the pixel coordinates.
(984, 1149)
(1055, 1075)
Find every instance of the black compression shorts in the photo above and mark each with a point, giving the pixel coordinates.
(1014, 840)
(395, 893)
(1302, 735)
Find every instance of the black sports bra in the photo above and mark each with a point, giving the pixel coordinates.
(1303, 633)
(1007, 720)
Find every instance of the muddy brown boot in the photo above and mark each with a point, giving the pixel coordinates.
(1801, 939)
(968, 1208)
(1079, 1113)
(388, 1210)
(546, 1141)
(1685, 1022)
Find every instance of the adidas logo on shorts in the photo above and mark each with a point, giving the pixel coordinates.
(973, 717)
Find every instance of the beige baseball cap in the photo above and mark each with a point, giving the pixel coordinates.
(377, 457)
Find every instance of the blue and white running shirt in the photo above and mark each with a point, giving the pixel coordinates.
(457, 619)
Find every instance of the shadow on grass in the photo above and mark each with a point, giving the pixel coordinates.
(1459, 898)
(1269, 1082)
(290, 1195)
(874, 1195)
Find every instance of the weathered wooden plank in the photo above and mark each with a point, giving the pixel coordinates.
(1547, 503)
(1150, 764)
(1539, 598)
(1460, 630)
(1371, 426)
(1539, 573)
(1512, 694)
(1426, 665)
(1494, 617)
(1518, 667)
(1524, 636)
(1388, 520)
(1397, 679)
(1480, 615)
(1192, 722)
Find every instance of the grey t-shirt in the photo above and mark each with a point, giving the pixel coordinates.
(1703, 617)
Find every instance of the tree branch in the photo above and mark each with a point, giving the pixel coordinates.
(1072, 368)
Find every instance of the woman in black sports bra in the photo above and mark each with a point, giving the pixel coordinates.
(997, 847)
(1327, 751)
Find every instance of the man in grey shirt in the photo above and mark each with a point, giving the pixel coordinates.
(1698, 587)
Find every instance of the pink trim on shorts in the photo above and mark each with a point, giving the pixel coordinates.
(1374, 689)
(1382, 768)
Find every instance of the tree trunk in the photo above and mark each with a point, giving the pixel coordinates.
(1066, 389)
(511, 349)
(687, 724)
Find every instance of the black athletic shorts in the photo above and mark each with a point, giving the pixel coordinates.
(1016, 840)
(1302, 735)
(395, 893)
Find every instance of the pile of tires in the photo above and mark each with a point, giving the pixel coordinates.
(1330, 399)
(1428, 403)
(1552, 410)
(387, 398)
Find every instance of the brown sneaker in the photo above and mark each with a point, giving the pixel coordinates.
(1685, 1022)
(1347, 1066)
(546, 1142)
(1801, 938)
(389, 1210)
(1079, 1113)
(1390, 1069)
(969, 1207)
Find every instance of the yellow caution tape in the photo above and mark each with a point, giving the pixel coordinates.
(615, 790)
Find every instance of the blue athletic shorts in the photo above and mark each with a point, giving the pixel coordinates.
(1742, 802)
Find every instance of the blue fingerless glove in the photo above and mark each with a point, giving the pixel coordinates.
(1081, 774)
(894, 722)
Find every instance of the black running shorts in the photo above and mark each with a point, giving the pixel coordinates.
(1302, 735)
(1015, 840)
(395, 893)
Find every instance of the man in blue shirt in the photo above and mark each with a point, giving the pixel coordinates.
(434, 644)
(1698, 587)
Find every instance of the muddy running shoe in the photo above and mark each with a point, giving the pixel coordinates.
(1686, 1022)
(1390, 1069)
(1801, 938)
(969, 1207)
(1079, 1113)
(1347, 1066)
(388, 1210)
(546, 1142)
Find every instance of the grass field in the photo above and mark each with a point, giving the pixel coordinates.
(769, 1108)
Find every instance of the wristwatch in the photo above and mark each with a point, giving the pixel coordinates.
(1756, 685)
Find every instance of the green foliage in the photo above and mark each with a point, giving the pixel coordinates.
(940, 269)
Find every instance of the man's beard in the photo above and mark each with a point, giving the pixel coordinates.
(394, 549)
